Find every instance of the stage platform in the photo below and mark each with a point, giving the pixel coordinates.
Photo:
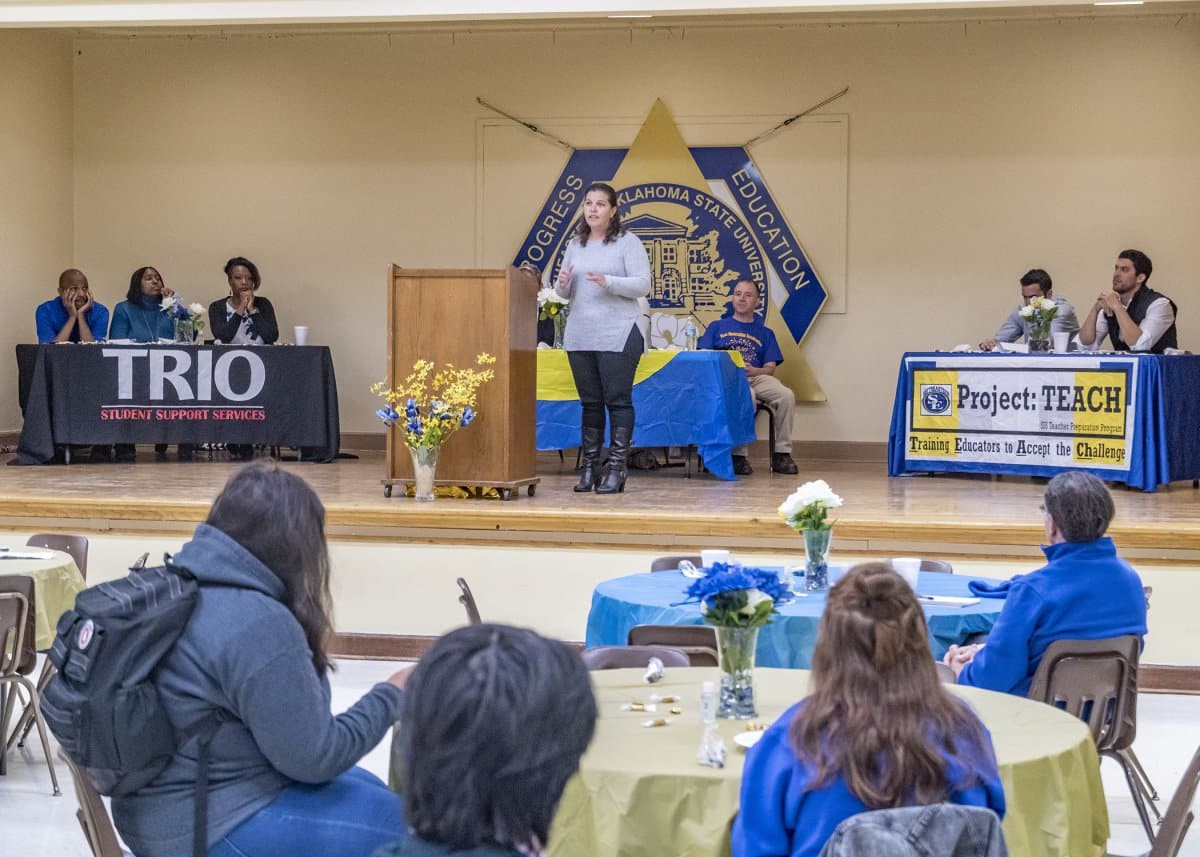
(661, 509)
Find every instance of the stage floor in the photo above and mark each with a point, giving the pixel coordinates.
(955, 513)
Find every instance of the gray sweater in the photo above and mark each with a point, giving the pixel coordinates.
(243, 651)
(601, 317)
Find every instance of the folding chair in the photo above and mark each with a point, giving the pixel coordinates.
(1179, 815)
(699, 642)
(467, 600)
(937, 566)
(671, 563)
(624, 657)
(1096, 680)
(18, 657)
(76, 546)
(92, 814)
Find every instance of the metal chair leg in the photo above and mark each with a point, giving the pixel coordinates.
(1135, 791)
(25, 724)
(1144, 782)
(41, 727)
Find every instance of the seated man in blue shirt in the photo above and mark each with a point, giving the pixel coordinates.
(1084, 592)
(73, 316)
(743, 332)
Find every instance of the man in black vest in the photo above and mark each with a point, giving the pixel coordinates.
(1132, 315)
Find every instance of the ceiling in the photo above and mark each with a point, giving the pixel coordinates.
(401, 14)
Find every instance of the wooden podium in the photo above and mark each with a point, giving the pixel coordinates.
(449, 316)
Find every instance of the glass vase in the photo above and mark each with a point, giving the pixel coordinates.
(424, 462)
(735, 652)
(816, 569)
(185, 330)
(1038, 338)
(560, 327)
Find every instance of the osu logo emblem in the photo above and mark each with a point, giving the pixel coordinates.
(702, 234)
(935, 400)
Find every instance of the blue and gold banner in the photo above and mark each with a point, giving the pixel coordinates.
(707, 220)
(1049, 413)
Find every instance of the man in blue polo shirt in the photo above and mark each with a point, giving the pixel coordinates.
(73, 316)
(1083, 592)
(743, 332)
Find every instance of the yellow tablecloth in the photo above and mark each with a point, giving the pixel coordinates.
(641, 793)
(556, 383)
(56, 583)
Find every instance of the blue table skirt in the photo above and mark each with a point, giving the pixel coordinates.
(1166, 437)
(647, 599)
(699, 398)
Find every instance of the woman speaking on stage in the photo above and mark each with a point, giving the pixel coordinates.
(605, 270)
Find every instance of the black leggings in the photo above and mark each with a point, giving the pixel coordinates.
(605, 379)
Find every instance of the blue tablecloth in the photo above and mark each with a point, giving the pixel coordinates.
(699, 398)
(647, 599)
(1163, 439)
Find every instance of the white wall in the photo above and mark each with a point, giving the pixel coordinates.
(36, 205)
(976, 152)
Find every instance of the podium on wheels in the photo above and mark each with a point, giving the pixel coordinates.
(450, 316)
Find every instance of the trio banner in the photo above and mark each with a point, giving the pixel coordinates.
(102, 394)
(1039, 412)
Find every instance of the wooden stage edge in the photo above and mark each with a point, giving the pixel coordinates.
(963, 515)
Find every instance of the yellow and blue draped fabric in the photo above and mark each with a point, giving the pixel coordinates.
(680, 398)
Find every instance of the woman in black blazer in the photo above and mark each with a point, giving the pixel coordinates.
(243, 318)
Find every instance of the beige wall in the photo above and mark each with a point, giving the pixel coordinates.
(35, 188)
(976, 151)
(410, 589)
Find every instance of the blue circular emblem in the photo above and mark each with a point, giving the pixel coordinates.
(935, 400)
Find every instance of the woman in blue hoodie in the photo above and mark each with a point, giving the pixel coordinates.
(877, 731)
(141, 318)
(281, 774)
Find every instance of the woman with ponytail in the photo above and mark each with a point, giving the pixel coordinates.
(878, 730)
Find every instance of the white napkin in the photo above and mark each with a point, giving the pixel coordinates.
(1012, 347)
(688, 569)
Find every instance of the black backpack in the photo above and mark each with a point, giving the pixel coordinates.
(102, 705)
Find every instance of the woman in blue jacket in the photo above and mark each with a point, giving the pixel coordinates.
(141, 318)
(878, 730)
(281, 773)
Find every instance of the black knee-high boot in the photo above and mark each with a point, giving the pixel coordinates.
(589, 452)
(618, 455)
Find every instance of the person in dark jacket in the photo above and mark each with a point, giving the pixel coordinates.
(1132, 315)
(243, 318)
(495, 721)
(281, 774)
(878, 731)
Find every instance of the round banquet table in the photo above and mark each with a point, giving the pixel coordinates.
(56, 582)
(641, 793)
(653, 599)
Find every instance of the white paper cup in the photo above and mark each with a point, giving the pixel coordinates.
(1062, 341)
(300, 332)
(908, 567)
(709, 557)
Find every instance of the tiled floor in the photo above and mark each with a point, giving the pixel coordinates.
(38, 825)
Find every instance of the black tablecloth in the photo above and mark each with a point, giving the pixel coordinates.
(102, 394)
